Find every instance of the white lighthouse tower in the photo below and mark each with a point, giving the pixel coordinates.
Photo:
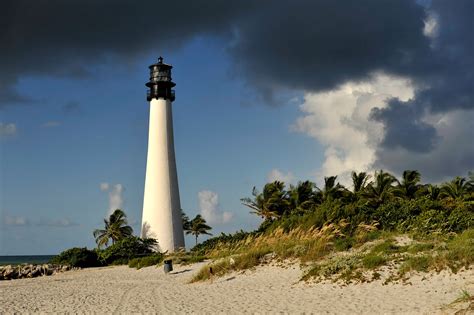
(161, 206)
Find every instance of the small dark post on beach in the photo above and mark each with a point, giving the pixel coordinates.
(168, 265)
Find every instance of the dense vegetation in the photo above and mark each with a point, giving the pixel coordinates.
(77, 257)
(314, 225)
(125, 247)
(308, 223)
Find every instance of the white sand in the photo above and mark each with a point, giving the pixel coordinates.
(268, 289)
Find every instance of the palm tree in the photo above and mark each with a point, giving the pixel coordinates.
(185, 220)
(458, 188)
(301, 197)
(470, 182)
(198, 226)
(331, 190)
(409, 185)
(381, 190)
(359, 183)
(271, 203)
(433, 192)
(116, 228)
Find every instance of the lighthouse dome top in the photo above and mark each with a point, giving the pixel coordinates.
(160, 83)
(160, 64)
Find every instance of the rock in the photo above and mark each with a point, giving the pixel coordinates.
(10, 272)
(29, 271)
(24, 271)
(35, 271)
(46, 270)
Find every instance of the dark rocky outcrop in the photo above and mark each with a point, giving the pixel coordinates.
(30, 271)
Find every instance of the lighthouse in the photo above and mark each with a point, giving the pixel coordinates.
(161, 217)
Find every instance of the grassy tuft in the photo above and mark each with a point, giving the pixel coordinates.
(372, 261)
(420, 247)
(387, 247)
(222, 266)
(340, 267)
(464, 296)
(416, 263)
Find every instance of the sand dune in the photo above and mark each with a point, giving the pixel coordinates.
(268, 289)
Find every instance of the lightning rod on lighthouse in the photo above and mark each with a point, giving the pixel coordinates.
(161, 217)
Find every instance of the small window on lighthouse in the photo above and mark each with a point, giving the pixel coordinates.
(164, 75)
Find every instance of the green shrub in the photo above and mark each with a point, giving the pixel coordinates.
(146, 261)
(373, 261)
(77, 257)
(416, 263)
(386, 247)
(345, 243)
(420, 247)
(461, 218)
(460, 250)
(428, 221)
(343, 266)
(126, 249)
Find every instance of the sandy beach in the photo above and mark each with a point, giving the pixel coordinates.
(267, 289)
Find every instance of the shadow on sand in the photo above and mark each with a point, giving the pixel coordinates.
(178, 272)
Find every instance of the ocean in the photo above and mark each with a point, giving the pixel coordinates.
(24, 259)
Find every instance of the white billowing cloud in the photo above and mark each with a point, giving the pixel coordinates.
(51, 124)
(210, 208)
(340, 120)
(276, 174)
(7, 129)
(116, 198)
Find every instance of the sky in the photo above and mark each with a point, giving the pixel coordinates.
(289, 91)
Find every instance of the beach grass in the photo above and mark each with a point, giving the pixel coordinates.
(327, 253)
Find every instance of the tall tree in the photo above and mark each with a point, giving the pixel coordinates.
(470, 182)
(432, 191)
(301, 197)
(332, 190)
(271, 203)
(381, 189)
(359, 183)
(198, 226)
(409, 186)
(458, 188)
(115, 229)
(185, 220)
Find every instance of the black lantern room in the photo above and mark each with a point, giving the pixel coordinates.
(160, 83)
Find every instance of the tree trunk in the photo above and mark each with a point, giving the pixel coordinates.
(196, 239)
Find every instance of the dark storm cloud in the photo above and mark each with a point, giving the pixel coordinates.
(450, 87)
(404, 127)
(318, 45)
(66, 38)
(307, 45)
(279, 45)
